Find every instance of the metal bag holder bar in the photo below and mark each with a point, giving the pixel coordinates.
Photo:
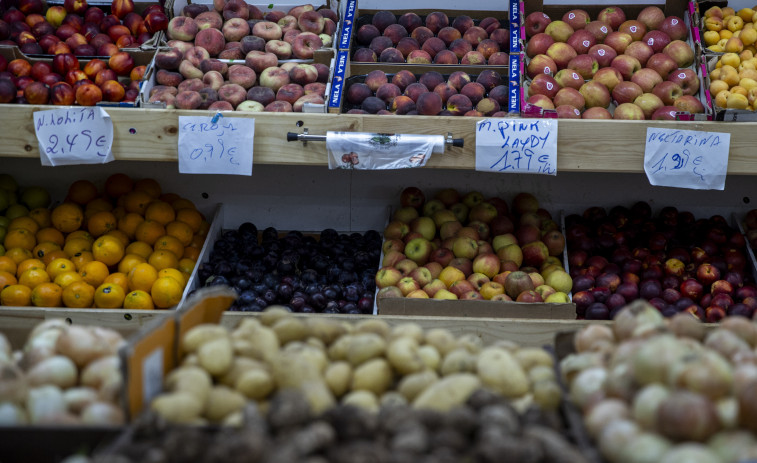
(305, 137)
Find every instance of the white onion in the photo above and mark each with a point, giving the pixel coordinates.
(615, 436)
(541, 373)
(690, 453)
(13, 383)
(79, 397)
(102, 413)
(741, 327)
(12, 415)
(652, 360)
(636, 318)
(45, 403)
(592, 337)
(111, 337)
(6, 353)
(706, 373)
(57, 370)
(685, 325)
(743, 374)
(99, 371)
(35, 354)
(687, 416)
(620, 382)
(736, 445)
(55, 325)
(110, 390)
(81, 345)
(625, 351)
(646, 403)
(644, 448)
(603, 413)
(725, 342)
(728, 412)
(588, 387)
(573, 364)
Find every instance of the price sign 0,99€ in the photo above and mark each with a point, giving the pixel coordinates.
(686, 158)
(210, 145)
(527, 146)
(68, 136)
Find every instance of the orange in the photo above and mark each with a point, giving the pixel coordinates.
(76, 246)
(20, 238)
(119, 212)
(41, 215)
(180, 231)
(186, 265)
(52, 255)
(7, 279)
(101, 223)
(138, 300)
(81, 258)
(47, 295)
(190, 217)
(25, 222)
(182, 203)
(79, 295)
(16, 295)
(42, 249)
(139, 248)
(67, 217)
(142, 276)
(18, 255)
(128, 223)
(8, 265)
(166, 292)
(163, 258)
(204, 228)
(149, 231)
(66, 278)
(119, 279)
(33, 277)
(50, 234)
(109, 296)
(137, 202)
(198, 241)
(169, 243)
(29, 264)
(79, 234)
(169, 197)
(58, 266)
(186, 276)
(129, 262)
(97, 205)
(173, 273)
(108, 250)
(120, 236)
(81, 192)
(192, 253)
(94, 273)
(118, 184)
(160, 212)
(149, 186)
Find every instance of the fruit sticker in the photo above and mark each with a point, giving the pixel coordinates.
(379, 151)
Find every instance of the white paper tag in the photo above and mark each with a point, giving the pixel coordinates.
(220, 147)
(686, 158)
(69, 136)
(379, 151)
(527, 146)
(152, 376)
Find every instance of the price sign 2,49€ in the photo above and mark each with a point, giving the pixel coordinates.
(68, 136)
(223, 146)
(527, 146)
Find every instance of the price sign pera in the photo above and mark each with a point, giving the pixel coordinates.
(68, 136)
(527, 146)
(215, 145)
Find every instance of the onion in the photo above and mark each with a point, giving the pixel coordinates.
(748, 406)
(547, 394)
(652, 360)
(13, 383)
(99, 371)
(588, 387)
(636, 318)
(728, 412)
(57, 370)
(12, 415)
(34, 355)
(77, 398)
(706, 373)
(737, 445)
(615, 436)
(110, 390)
(603, 413)
(646, 403)
(687, 416)
(112, 337)
(625, 351)
(541, 373)
(743, 375)
(741, 327)
(644, 448)
(686, 325)
(690, 453)
(81, 345)
(573, 364)
(55, 325)
(6, 353)
(620, 382)
(726, 343)
(588, 338)
(45, 404)
(102, 413)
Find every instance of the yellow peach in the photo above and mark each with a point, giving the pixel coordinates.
(715, 48)
(717, 86)
(730, 59)
(734, 24)
(747, 83)
(734, 45)
(748, 36)
(736, 101)
(711, 38)
(748, 74)
(729, 75)
(725, 34)
(713, 24)
(746, 55)
(715, 74)
(714, 11)
(728, 11)
(746, 14)
(752, 96)
(739, 90)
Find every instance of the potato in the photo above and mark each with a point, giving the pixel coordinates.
(313, 355)
(430, 356)
(239, 366)
(393, 399)
(459, 360)
(340, 349)
(223, 401)
(325, 329)
(201, 334)
(338, 377)
(178, 407)
(442, 340)
(246, 326)
(191, 360)
(315, 342)
(402, 354)
(411, 386)
(541, 373)
(363, 399)
(410, 330)
(529, 357)
(501, 372)
(374, 375)
(290, 329)
(255, 384)
(274, 313)
(216, 356)
(318, 395)
(372, 325)
(234, 420)
(291, 370)
(193, 380)
(365, 346)
(261, 344)
(473, 343)
(449, 392)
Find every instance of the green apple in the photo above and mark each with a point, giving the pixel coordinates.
(461, 212)
(558, 297)
(445, 294)
(16, 210)
(425, 226)
(418, 250)
(465, 247)
(35, 197)
(432, 206)
(560, 280)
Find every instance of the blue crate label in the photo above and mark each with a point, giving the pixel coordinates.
(337, 82)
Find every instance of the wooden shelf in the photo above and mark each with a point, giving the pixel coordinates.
(583, 146)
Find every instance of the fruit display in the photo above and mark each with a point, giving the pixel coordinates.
(365, 364)
(458, 246)
(726, 30)
(188, 78)
(64, 375)
(481, 431)
(427, 94)
(673, 260)
(652, 391)
(77, 28)
(387, 38)
(127, 245)
(234, 28)
(612, 67)
(333, 273)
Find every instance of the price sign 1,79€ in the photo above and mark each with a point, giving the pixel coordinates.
(68, 136)
(527, 146)
(210, 145)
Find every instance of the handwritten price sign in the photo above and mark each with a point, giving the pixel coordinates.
(220, 147)
(686, 158)
(527, 146)
(70, 136)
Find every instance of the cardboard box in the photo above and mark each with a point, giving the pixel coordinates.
(723, 114)
(475, 309)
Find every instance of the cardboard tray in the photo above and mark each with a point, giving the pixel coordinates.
(722, 114)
